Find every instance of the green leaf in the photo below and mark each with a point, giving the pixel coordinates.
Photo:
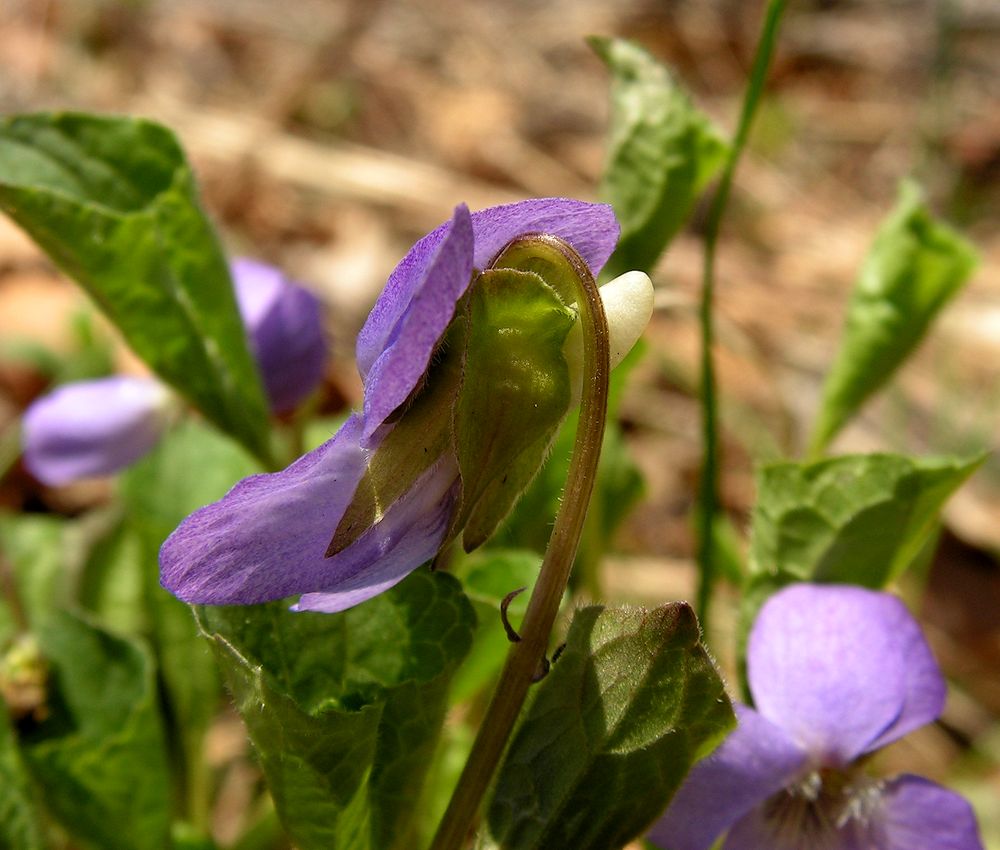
(113, 202)
(914, 267)
(100, 756)
(662, 153)
(859, 519)
(36, 548)
(515, 395)
(20, 828)
(630, 705)
(344, 709)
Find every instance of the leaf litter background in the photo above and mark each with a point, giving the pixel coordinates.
(328, 135)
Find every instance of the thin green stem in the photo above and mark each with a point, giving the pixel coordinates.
(708, 491)
(525, 657)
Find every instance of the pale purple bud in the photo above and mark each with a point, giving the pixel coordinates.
(91, 428)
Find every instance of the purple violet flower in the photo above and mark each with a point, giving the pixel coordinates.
(268, 538)
(99, 427)
(836, 672)
(285, 325)
(90, 428)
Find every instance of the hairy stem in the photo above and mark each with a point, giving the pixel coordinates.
(525, 657)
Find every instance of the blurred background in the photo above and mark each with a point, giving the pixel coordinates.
(329, 134)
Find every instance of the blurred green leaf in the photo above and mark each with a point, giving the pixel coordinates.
(112, 585)
(36, 547)
(344, 709)
(442, 778)
(100, 756)
(114, 204)
(20, 828)
(629, 706)
(191, 467)
(914, 267)
(662, 153)
(859, 519)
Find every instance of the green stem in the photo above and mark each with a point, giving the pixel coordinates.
(708, 492)
(525, 657)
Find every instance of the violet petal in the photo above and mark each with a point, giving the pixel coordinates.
(93, 428)
(267, 538)
(285, 325)
(917, 814)
(925, 689)
(409, 535)
(831, 664)
(410, 317)
(754, 762)
(591, 229)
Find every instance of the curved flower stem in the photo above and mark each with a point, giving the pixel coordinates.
(525, 657)
(708, 490)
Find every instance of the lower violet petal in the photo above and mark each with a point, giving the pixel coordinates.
(754, 762)
(410, 534)
(917, 814)
(267, 538)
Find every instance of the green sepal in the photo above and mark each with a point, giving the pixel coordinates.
(914, 267)
(345, 709)
(515, 394)
(113, 202)
(632, 702)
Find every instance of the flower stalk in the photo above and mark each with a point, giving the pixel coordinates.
(526, 657)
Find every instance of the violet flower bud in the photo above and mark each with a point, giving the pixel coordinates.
(285, 328)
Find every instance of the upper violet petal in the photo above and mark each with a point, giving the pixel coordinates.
(410, 317)
(267, 538)
(591, 229)
(93, 428)
(410, 534)
(754, 762)
(828, 663)
(917, 814)
(285, 325)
